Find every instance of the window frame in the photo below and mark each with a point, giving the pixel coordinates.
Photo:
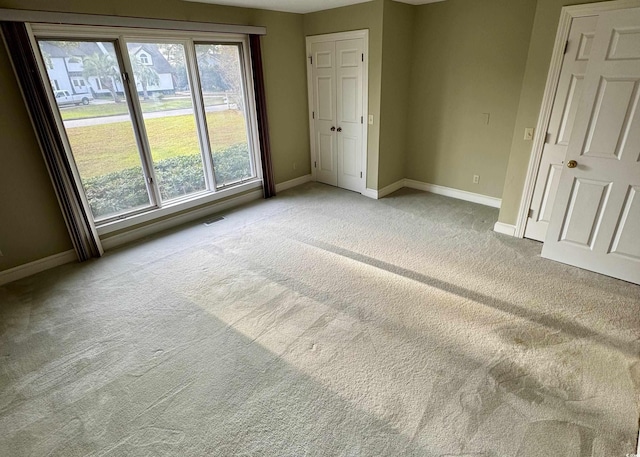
(120, 37)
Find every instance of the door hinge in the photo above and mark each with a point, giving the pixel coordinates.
(566, 47)
(311, 60)
(547, 138)
(315, 164)
(313, 114)
(360, 175)
(531, 213)
(363, 57)
(362, 119)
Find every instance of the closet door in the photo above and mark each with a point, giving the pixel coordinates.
(336, 78)
(349, 63)
(323, 58)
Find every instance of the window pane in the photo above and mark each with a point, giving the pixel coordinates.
(165, 97)
(85, 77)
(225, 105)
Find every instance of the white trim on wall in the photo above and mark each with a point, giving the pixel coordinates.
(37, 266)
(505, 229)
(454, 193)
(53, 17)
(371, 193)
(391, 188)
(567, 15)
(293, 183)
(435, 189)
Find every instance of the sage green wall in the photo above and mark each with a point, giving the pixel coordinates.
(469, 59)
(359, 17)
(31, 226)
(397, 58)
(543, 36)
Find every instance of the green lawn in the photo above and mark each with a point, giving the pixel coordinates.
(102, 149)
(148, 106)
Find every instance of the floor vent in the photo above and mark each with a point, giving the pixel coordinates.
(214, 220)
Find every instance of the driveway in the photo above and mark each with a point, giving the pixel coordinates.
(153, 115)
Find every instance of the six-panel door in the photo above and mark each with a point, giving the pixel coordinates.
(563, 114)
(324, 109)
(595, 222)
(338, 117)
(350, 116)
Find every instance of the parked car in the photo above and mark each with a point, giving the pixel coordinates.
(63, 97)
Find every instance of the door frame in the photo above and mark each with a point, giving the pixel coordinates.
(567, 14)
(310, 40)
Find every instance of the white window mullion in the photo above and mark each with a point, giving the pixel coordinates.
(131, 95)
(199, 108)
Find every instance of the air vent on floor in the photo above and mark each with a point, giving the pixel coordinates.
(213, 220)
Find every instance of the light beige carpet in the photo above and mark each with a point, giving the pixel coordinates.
(322, 323)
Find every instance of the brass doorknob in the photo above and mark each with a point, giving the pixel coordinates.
(572, 164)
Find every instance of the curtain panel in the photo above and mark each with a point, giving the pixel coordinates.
(269, 183)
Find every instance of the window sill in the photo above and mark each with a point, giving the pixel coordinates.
(177, 207)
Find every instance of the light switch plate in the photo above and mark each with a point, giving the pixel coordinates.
(370, 119)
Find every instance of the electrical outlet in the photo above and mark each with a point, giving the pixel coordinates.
(370, 119)
(476, 179)
(528, 133)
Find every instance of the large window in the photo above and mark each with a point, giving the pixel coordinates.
(152, 120)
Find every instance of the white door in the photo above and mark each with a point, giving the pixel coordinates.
(595, 221)
(323, 61)
(563, 114)
(349, 57)
(337, 69)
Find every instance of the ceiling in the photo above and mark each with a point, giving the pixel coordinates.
(299, 6)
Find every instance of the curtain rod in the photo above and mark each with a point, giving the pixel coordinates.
(53, 17)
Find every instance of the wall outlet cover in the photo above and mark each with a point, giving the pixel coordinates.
(528, 133)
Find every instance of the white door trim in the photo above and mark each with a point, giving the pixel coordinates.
(310, 40)
(567, 15)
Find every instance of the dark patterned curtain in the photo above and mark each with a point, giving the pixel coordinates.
(263, 124)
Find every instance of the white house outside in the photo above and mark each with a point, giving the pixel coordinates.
(65, 66)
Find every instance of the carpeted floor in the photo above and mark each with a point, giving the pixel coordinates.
(322, 323)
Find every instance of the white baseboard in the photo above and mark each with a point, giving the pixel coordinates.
(135, 234)
(31, 268)
(293, 183)
(391, 188)
(454, 193)
(505, 229)
(371, 193)
(434, 189)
